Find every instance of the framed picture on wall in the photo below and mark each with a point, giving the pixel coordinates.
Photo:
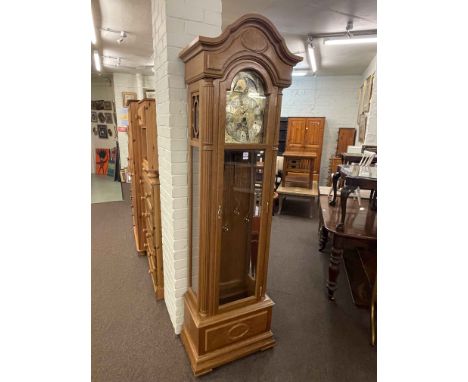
(367, 93)
(127, 96)
(94, 116)
(107, 105)
(99, 105)
(150, 93)
(102, 161)
(109, 118)
(102, 129)
(361, 102)
(93, 105)
(362, 127)
(101, 117)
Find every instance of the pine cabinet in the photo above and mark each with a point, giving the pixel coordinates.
(305, 135)
(235, 84)
(146, 205)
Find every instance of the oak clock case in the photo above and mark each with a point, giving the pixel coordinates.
(235, 84)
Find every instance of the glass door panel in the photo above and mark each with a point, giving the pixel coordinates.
(242, 209)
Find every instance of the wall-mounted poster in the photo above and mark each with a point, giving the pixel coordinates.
(102, 161)
(112, 162)
(109, 118)
(127, 96)
(123, 117)
(367, 93)
(102, 129)
(99, 105)
(362, 127)
(107, 105)
(101, 117)
(94, 116)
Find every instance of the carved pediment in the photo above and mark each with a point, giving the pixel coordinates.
(250, 37)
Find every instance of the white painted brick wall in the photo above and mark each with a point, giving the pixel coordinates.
(334, 97)
(175, 24)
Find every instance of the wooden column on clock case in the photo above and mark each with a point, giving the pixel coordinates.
(232, 161)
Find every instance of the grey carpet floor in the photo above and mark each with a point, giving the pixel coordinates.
(133, 338)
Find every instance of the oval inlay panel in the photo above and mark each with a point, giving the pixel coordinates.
(254, 40)
(238, 331)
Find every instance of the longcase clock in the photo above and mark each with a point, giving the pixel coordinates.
(235, 84)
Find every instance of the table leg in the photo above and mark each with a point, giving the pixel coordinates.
(373, 201)
(334, 268)
(373, 314)
(345, 191)
(323, 238)
(336, 176)
(281, 198)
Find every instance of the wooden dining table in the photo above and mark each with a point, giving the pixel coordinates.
(360, 232)
(352, 181)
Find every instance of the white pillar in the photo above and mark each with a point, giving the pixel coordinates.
(175, 24)
(139, 85)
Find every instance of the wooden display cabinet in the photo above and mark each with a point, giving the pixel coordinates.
(146, 204)
(305, 135)
(235, 84)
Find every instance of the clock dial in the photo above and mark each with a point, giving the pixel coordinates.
(245, 107)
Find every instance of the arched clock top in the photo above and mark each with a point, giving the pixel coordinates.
(251, 37)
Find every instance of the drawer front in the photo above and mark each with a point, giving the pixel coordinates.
(239, 330)
(149, 204)
(149, 240)
(147, 188)
(149, 223)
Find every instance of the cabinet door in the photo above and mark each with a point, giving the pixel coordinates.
(346, 138)
(243, 185)
(296, 130)
(313, 140)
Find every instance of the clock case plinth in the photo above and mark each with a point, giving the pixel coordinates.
(216, 329)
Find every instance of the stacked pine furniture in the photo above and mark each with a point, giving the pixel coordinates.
(302, 157)
(145, 187)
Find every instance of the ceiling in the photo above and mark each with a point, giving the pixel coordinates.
(133, 17)
(295, 19)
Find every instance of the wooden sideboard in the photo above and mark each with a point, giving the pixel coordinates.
(305, 134)
(146, 205)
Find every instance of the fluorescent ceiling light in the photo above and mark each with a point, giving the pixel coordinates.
(350, 41)
(299, 73)
(97, 61)
(93, 30)
(313, 62)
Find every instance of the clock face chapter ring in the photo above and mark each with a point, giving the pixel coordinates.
(245, 109)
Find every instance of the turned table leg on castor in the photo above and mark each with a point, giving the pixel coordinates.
(334, 269)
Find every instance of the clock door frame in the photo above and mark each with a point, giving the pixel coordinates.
(270, 148)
